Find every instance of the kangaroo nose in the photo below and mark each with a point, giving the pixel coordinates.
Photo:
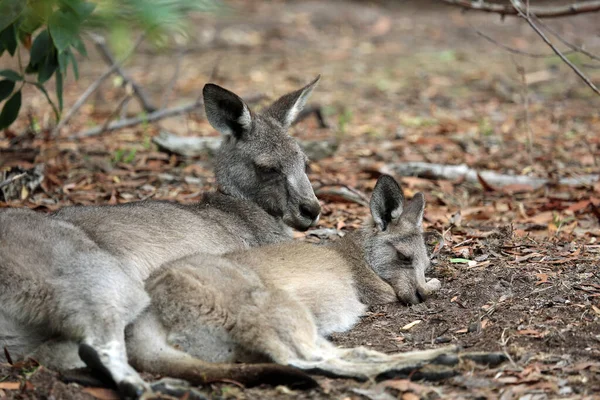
(310, 210)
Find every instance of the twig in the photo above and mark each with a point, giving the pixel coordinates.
(573, 47)
(517, 5)
(94, 86)
(12, 179)
(517, 51)
(340, 192)
(100, 43)
(169, 90)
(117, 110)
(539, 11)
(525, 97)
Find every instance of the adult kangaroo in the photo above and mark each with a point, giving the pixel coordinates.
(72, 282)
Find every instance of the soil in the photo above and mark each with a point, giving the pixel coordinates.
(401, 81)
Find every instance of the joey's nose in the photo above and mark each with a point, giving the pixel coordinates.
(310, 211)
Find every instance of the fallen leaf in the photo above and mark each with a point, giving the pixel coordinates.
(408, 326)
(464, 330)
(10, 385)
(542, 278)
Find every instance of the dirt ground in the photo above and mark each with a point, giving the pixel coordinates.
(401, 82)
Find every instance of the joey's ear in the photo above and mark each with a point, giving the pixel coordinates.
(414, 210)
(286, 108)
(226, 111)
(386, 202)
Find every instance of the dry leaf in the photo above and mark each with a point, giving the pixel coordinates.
(10, 385)
(408, 326)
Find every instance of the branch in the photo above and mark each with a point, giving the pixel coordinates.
(517, 51)
(539, 11)
(152, 117)
(452, 172)
(528, 17)
(570, 45)
(100, 43)
(127, 122)
(94, 86)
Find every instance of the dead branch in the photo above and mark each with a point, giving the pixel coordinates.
(539, 11)
(94, 86)
(454, 172)
(100, 43)
(528, 17)
(152, 117)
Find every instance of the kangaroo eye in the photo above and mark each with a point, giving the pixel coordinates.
(267, 171)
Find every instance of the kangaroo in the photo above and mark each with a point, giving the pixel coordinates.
(70, 283)
(279, 302)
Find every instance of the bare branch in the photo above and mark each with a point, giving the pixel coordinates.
(152, 117)
(100, 43)
(539, 11)
(570, 45)
(517, 51)
(94, 86)
(528, 17)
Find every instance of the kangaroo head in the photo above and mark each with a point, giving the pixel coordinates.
(258, 160)
(394, 244)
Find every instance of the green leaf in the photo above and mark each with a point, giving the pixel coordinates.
(47, 68)
(64, 27)
(63, 61)
(6, 88)
(459, 261)
(74, 62)
(11, 75)
(82, 8)
(10, 11)
(8, 38)
(10, 111)
(40, 48)
(59, 89)
(80, 46)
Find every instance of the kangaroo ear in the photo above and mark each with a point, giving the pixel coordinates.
(286, 108)
(414, 210)
(226, 111)
(386, 202)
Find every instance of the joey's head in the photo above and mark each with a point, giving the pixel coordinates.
(394, 244)
(258, 160)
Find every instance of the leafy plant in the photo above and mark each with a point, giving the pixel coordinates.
(51, 30)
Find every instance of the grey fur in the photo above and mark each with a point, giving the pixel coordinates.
(77, 277)
(278, 302)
